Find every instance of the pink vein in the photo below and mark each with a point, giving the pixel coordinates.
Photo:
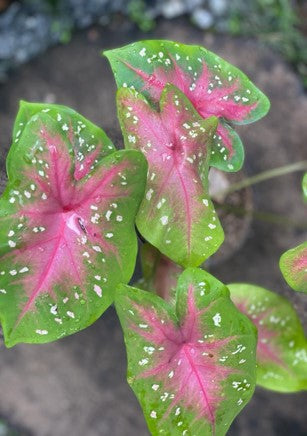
(146, 122)
(56, 175)
(178, 395)
(44, 274)
(73, 261)
(150, 320)
(28, 248)
(187, 206)
(162, 187)
(194, 370)
(100, 185)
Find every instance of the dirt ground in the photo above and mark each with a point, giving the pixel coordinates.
(77, 385)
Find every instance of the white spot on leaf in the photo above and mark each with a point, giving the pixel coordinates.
(217, 320)
(98, 290)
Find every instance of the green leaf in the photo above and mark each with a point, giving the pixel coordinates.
(66, 224)
(293, 265)
(282, 346)
(192, 367)
(304, 186)
(81, 130)
(176, 215)
(214, 87)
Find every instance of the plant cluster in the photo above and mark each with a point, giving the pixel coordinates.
(68, 243)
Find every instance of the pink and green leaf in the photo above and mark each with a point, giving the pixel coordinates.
(282, 346)
(66, 226)
(214, 86)
(86, 137)
(293, 265)
(191, 366)
(176, 215)
(160, 274)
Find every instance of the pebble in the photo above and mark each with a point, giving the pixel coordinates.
(29, 28)
(172, 9)
(202, 18)
(218, 7)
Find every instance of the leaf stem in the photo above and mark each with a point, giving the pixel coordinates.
(265, 175)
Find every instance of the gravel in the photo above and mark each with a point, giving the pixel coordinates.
(29, 28)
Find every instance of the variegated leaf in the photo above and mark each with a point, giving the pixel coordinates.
(176, 215)
(282, 346)
(192, 367)
(66, 225)
(214, 86)
(293, 265)
(90, 140)
(304, 186)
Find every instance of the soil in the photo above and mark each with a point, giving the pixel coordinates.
(235, 213)
(77, 385)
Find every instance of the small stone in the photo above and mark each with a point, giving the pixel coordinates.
(218, 184)
(202, 18)
(173, 8)
(218, 7)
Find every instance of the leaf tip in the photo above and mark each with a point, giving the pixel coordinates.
(106, 53)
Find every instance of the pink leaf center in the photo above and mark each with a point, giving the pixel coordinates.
(186, 363)
(63, 211)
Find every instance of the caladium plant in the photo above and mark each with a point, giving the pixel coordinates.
(192, 367)
(66, 224)
(213, 86)
(176, 215)
(282, 346)
(293, 265)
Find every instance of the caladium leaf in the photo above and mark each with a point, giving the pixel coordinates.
(66, 226)
(86, 137)
(192, 367)
(214, 86)
(282, 346)
(293, 265)
(160, 274)
(176, 215)
(304, 186)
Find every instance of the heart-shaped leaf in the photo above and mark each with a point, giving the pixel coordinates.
(160, 274)
(214, 86)
(176, 215)
(293, 265)
(192, 367)
(66, 225)
(282, 346)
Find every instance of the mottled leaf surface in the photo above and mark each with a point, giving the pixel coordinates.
(192, 367)
(66, 225)
(282, 346)
(160, 274)
(293, 265)
(304, 186)
(85, 136)
(176, 215)
(214, 86)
